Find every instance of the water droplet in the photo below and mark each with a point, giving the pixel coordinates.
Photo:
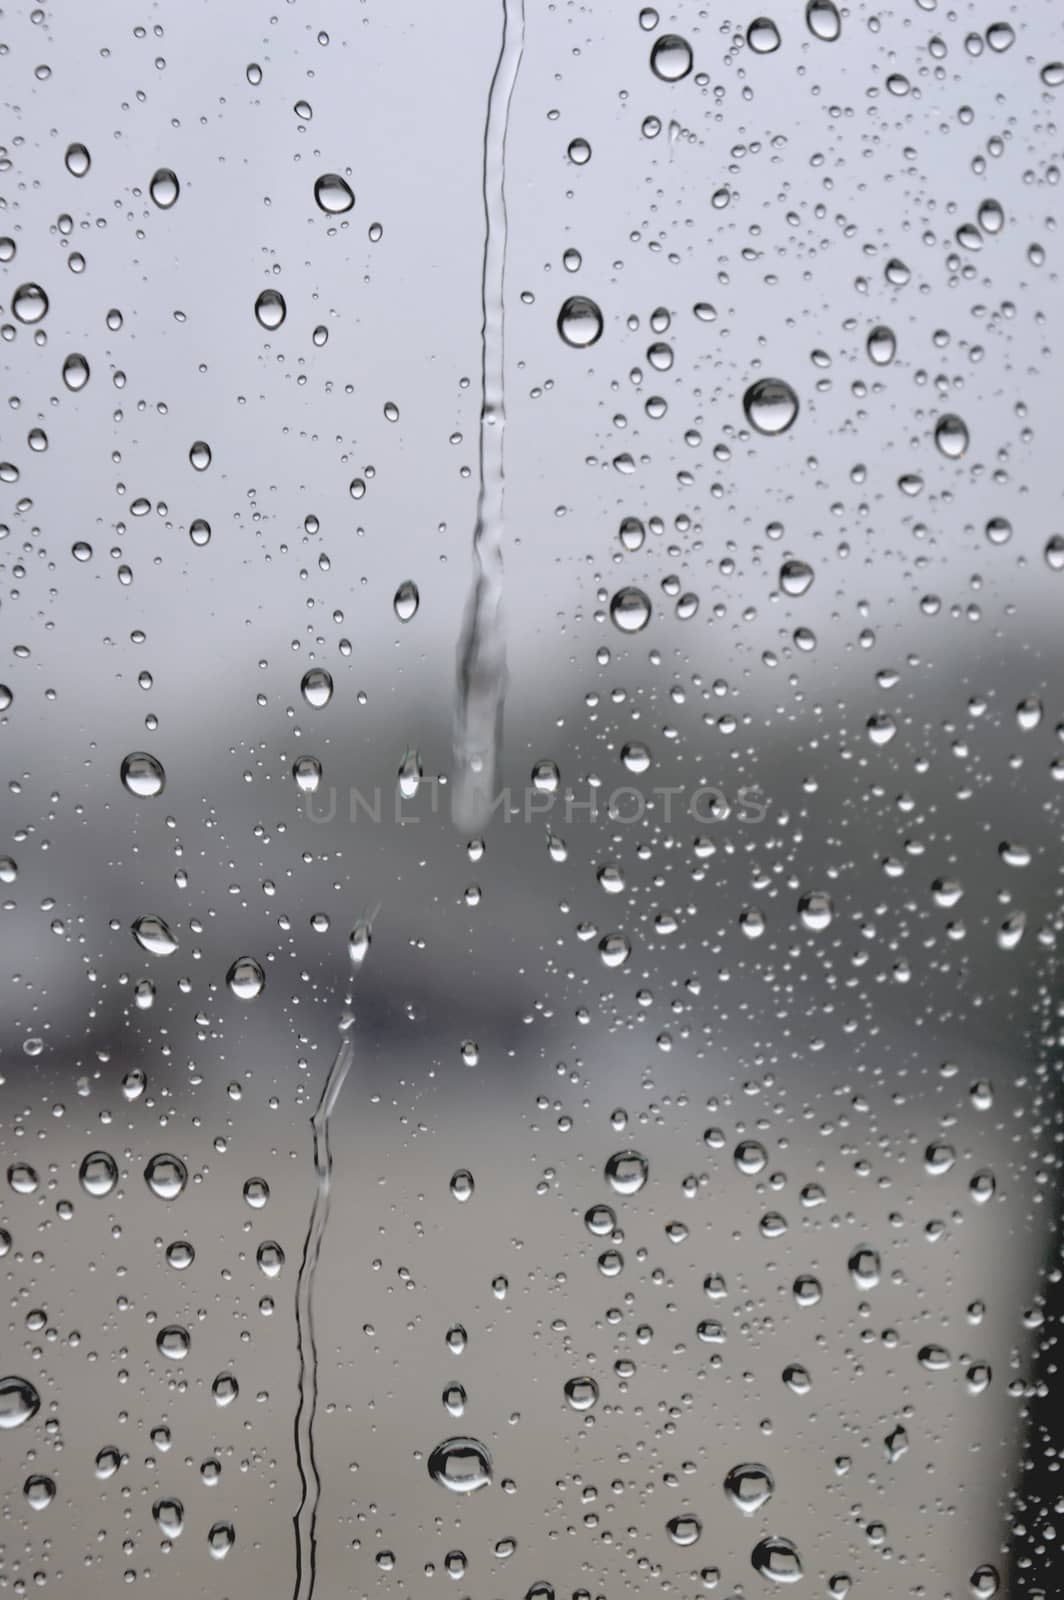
(763, 36)
(317, 687)
(170, 1516)
(579, 152)
(671, 58)
(816, 910)
(307, 770)
(107, 1461)
(580, 322)
(173, 1342)
(246, 978)
(823, 21)
(454, 1398)
(180, 1254)
(19, 1401)
(462, 1184)
(270, 1258)
(225, 1389)
(143, 775)
(796, 577)
(581, 1393)
(164, 188)
(409, 775)
(627, 1171)
(200, 532)
(771, 405)
(984, 1582)
(270, 309)
(881, 345)
(29, 303)
(864, 1267)
(166, 1176)
(407, 599)
(75, 372)
(221, 1539)
(199, 455)
(153, 935)
(600, 1220)
(951, 436)
(797, 1378)
(684, 1529)
(1052, 74)
(777, 1560)
(77, 160)
(461, 1465)
(748, 1487)
(333, 194)
(630, 610)
(751, 1156)
(39, 1491)
(98, 1173)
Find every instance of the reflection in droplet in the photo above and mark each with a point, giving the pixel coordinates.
(19, 1401)
(98, 1173)
(143, 775)
(630, 610)
(771, 405)
(154, 936)
(748, 1487)
(166, 1176)
(462, 1465)
(270, 309)
(951, 436)
(777, 1560)
(671, 58)
(627, 1171)
(246, 978)
(333, 194)
(164, 188)
(580, 322)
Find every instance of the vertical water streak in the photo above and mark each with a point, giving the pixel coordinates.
(306, 1518)
(482, 649)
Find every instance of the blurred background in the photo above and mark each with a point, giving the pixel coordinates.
(769, 903)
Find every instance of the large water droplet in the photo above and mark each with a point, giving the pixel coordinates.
(170, 1516)
(763, 36)
(671, 58)
(173, 1342)
(29, 303)
(580, 322)
(461, 1465)
(164, 188)
(684, 1529)
(771, 405)
(166, 1176)
(19, 1401)
(98, 1173)
(630, 610)
(39, 1491)
(864, 1267)
(317, 687)
(407, 599)
(77, 160)
(333, 193)
(153, 935)
(795, 577)
(270, 309)
(748, 1487)
(777, 1560)
(143, 775)
(626, 1171)
(581, 1393)
(75, 372)
(246, 978)
(823, 21)
(951, 436)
